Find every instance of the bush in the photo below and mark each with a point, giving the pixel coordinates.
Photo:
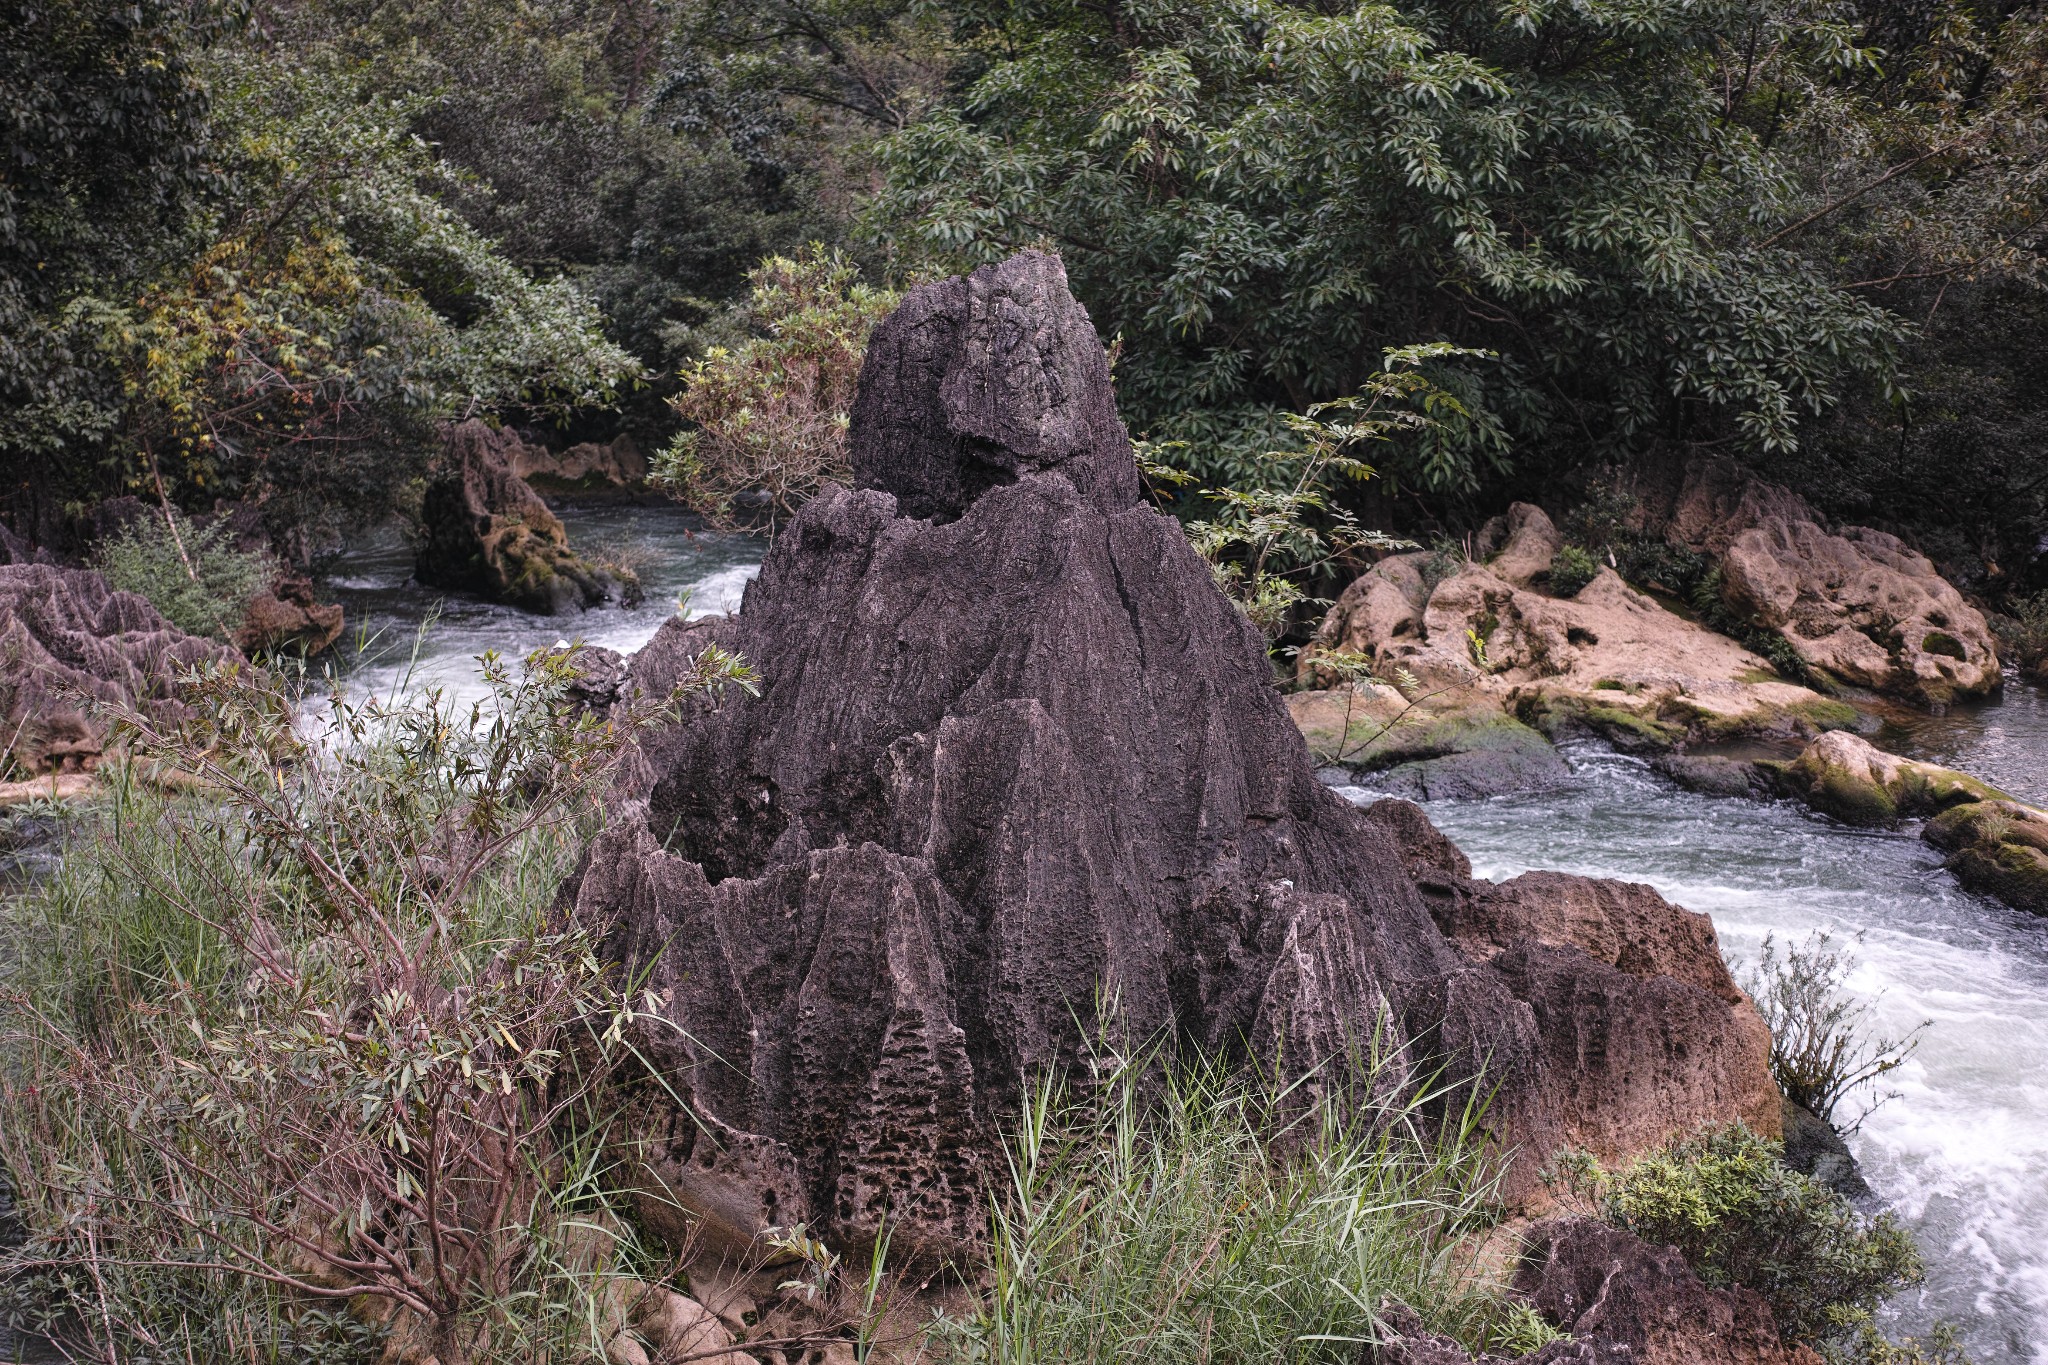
(193, 575)
(768, 416)
(312, 1036)
(1571, 569)
(1821, 1051)
(1740, 1216)
(1166, 1227)
(2023, 632)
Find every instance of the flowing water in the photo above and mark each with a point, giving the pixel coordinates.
(401, 633)
(1961, 1154)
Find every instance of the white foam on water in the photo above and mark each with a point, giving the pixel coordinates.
(1961, 1155)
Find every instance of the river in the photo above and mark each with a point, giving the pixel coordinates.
(1961, 1154)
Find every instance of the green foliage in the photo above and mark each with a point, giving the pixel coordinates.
(1266, 541)
(1821, 1048)
(1258, 197)
(2023, 631)
(1571, 569)
(194, 575)
(1165, 1223)
(314, 1034)
(1740, 1216)
(768, 416)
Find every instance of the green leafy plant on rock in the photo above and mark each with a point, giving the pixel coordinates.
(767, 417)
(1571, 569)
(1740, 1216)
(194, 576)
(1147, 1221)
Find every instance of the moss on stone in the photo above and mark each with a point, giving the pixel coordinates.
(1942, 643)
(1825, 713)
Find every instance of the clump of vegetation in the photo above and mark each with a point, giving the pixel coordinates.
(767, 417)
(1167, 1223)
(1571, 569)
(1821, 1047)
(194, 575)
(310, 1036)
(1740, 1216)
(2023, 632)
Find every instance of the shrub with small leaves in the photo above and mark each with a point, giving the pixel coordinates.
(1821, 1048)
(1571, 569)
(194, 575)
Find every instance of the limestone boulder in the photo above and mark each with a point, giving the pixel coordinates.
(487, 532)
(286, 618)
(617, 463)
(1999, 847)
(1610, 660)
(1858, 605)
(1851, 779)
(1016, 784)
(72, 650)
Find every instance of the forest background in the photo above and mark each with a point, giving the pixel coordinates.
(252, 253)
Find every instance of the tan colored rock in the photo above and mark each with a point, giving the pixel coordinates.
(616, 462)
(1851, 779)
(55, 787)
(1997, 847)
(286, 618)
(1610, 658)
(1519, 545)
(1860, 606)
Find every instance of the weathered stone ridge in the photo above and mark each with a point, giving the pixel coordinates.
(72, 648)
(1017, 777)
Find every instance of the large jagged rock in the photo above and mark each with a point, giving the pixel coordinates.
(488, 533)
(1017, 778)
(1858, 605)
(616, 463)
(70, 649)
(1480, 637)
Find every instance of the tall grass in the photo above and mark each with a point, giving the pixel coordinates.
(1211, 1218)
(298, 1060)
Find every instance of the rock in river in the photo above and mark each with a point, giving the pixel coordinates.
(1017, 778)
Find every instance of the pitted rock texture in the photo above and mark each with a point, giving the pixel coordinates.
(286, 618)
(1626, 1302)
(70, 649)
(1481, 638)
(1018, 777)
(490, 534)
(1859, 605)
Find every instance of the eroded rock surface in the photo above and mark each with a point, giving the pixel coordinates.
(71, 647)
(1999, 847)
(488, 533)
(1860, 784)
(1480, 637)
(1626, 1302)
(1859, 605)
(287, 618)
(1017, 777)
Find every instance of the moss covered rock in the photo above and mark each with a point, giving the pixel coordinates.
(1999, 847)
(1851, 779)
(1423, 752)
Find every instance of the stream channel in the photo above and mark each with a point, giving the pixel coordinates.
(1961, 1154)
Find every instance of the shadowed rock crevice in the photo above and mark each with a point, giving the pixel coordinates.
(1014, 755)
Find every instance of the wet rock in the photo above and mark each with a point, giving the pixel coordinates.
(1858, 605)
(1625, 1302)
(1426, 751)
(1814, 1148)
(1714, 775)
(486, 532)
(1859, 784)
(1017, 779)
(70, 649)
(286, 618)
(1999, 847)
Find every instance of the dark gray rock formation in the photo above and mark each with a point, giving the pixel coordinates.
(70, 648)
(1018, 775)
(490, 534)
(1813, 1147)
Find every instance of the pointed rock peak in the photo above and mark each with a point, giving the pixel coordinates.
(982, 379)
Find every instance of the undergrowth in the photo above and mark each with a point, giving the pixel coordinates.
(1162, 1221)
(193, 575)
